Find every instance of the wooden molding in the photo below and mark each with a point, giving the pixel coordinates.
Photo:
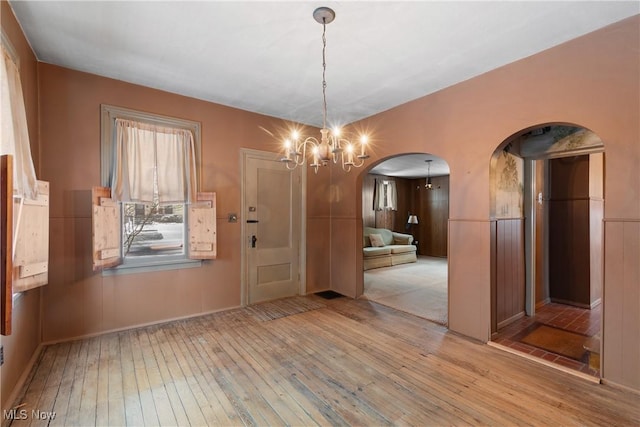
(6, 246)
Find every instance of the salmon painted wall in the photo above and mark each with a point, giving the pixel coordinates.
(21, 345)
(591, 81)
(80, 302)
(463, 124)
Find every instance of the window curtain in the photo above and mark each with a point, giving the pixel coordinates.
(392, 196)
(385, 195)
(14, 138)
(153, 164)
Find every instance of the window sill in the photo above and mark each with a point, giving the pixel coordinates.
(151, 266)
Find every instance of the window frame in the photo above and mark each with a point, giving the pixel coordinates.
(108, 115)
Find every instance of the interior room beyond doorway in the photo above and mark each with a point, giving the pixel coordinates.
(418, 288)
(547, 219)
(409, 194)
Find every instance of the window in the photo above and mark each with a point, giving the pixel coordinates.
(385, 195)
(25, 201)
(145, 210)
(152, 229)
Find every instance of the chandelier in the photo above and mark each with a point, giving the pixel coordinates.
(428, 185)
(332, 146)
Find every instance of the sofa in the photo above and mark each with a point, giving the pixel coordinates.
(386, 248)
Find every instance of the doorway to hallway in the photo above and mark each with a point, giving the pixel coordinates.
(547, 266)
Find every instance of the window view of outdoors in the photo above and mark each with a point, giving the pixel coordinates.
(152, 229)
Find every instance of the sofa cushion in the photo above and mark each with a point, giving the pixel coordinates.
(402, 239)
(369, 252)
(401, 249)
(376, 240)
(387, 236)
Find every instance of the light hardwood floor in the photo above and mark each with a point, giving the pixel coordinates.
(308, 361)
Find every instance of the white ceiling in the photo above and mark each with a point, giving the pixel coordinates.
(266, 57)
(412, 166)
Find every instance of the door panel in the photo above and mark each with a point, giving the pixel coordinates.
(272, 200)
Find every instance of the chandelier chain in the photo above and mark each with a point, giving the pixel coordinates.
(324, 70)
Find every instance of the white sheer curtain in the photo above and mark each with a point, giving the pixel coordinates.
(14, 134)
(385, 195)
(153, 164)
(392, 196)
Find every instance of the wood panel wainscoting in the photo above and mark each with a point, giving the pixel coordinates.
(306, 361)
(507, 272)
(432, 208)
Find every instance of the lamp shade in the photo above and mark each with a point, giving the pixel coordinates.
(413, 219)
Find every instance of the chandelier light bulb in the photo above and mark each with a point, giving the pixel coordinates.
(349, 149)
(364, 139)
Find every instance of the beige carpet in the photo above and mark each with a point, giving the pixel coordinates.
(558, 341)
(418, 288)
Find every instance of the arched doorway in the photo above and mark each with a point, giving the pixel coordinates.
(547, 205)
(408, 195)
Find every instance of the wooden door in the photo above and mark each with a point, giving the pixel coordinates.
(272, 229)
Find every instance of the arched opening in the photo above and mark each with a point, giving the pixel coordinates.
(547, 206)
(405, 200)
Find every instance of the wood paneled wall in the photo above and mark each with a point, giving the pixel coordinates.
(507, 271)
(569, 231)
(432, 209)
(393, 220)
(368, 213)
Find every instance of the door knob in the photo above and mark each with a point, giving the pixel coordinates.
(254, 239)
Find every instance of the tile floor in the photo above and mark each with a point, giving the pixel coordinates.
(569, 318)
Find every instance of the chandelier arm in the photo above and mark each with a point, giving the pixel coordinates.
(336, 143)
(348, 166)
(300, 155)
(358, 165)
